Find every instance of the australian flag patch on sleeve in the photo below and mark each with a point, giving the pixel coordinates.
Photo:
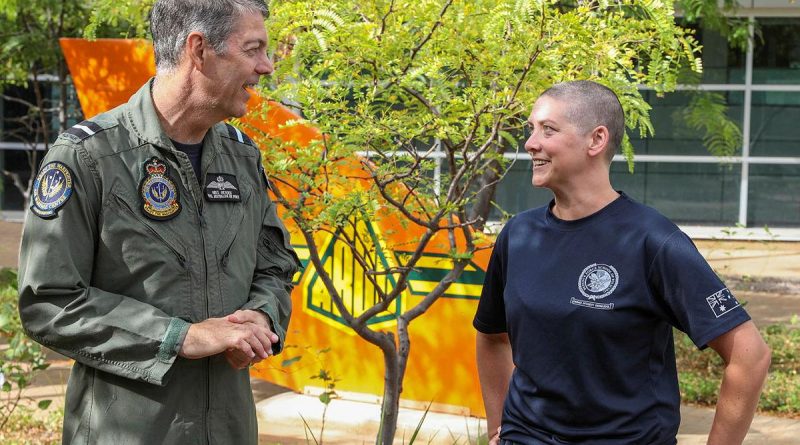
(722, 302)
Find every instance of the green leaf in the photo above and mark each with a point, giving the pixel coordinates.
(290, 361)
(419, 425)
(308, 430)
(44, 404)
(5, 321)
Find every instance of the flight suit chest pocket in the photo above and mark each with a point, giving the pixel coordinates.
(142, 258)
(235, 248)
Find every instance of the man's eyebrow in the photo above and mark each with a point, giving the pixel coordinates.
(544, 121)
(260, 42)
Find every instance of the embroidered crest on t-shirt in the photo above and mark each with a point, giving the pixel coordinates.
(597, 281)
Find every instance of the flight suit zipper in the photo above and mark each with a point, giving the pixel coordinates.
(190, 177)
(206, 414)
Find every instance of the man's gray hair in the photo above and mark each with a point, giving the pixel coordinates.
(171, 22)
(590, 105)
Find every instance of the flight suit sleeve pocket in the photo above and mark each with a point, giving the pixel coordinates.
(275, 251)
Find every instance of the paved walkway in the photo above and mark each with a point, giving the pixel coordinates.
(9, 243)
(766, 275)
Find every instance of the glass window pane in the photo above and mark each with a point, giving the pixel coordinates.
(773, 125)
(783, 4)
(15, 161)
(776, 53)
(704, 194)
(672, 135)
(772, 200)
(515, 193)
(722, 64)
(73, 111)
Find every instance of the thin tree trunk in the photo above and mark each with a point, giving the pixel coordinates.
(483, 202)
(391, 392)
(487, 187)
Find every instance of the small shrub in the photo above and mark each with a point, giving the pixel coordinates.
(20, 357)
(27, 427)
(700, 372)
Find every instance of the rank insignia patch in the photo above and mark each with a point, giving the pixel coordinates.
(51, 190)
(159, 194)
(222, 187)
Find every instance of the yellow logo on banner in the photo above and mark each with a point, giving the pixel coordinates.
(350, 279)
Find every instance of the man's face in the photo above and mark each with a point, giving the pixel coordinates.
(556, 145)
(244, 61)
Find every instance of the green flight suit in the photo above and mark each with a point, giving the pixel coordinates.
(112, 283)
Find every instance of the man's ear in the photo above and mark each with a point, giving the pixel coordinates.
(196, 49)
(600, 139)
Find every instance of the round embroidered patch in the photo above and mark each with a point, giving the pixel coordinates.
(51, 190)
(159, 194)
(598, 281)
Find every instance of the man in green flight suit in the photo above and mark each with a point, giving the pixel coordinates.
(152, 254)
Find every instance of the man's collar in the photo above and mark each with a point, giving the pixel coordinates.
(143, 117)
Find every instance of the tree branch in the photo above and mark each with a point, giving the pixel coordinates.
(425, 40)
(383, 21)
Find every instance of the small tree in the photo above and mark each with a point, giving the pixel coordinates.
(398, 87)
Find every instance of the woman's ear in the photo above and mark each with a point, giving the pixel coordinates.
(600, 139)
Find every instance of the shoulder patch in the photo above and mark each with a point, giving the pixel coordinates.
(237, 135)
(51, 190)
(85, 129)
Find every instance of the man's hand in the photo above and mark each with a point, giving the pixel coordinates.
(216, 335)
(236, 358)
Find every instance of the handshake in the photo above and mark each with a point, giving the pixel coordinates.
(245, 337)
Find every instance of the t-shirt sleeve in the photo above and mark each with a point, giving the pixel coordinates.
(490, 317)
(697, 301)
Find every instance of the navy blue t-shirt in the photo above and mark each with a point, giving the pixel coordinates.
(194, 152)
(589, 307)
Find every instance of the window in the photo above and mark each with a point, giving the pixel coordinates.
(774, 123)
(776, 53)
(687, 192)
(17, 136)
(672, 135)
(773, 199)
